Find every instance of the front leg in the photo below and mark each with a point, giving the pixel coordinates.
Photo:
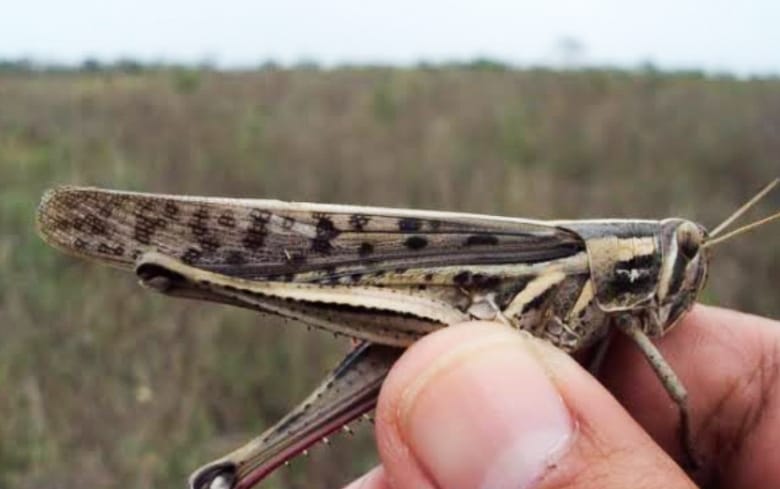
(674, 387)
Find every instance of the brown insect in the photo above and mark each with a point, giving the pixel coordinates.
(386, 277)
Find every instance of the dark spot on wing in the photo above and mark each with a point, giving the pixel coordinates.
(325, 228)
(416, 242)
(68, 199)
(96, 225)
(287, 222)
(481, 239)
(90, 224)
(227, 219)
(147, 222)
(365, 249)
(428, 277)
(296, 258)
(171, 210)
(210, 244)
(409, 224)
(254, 237)
(107, 249)
(321, 245)
(106, 208)
(259, 215)
(198, 228)
(59, 223)
(80, 244)
(78, 224)
(143, 230)
(325, 231)
(358, 221)
(191, 256)
(235, 257)
(201, 214)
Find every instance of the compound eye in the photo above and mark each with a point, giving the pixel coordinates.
(689, 239)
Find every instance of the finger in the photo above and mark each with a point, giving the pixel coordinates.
(729, 363)
(483, 406)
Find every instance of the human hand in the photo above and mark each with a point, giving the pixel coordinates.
(479, 406)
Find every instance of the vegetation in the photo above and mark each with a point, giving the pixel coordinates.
(105, 385)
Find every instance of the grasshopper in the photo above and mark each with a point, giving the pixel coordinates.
(385, 277)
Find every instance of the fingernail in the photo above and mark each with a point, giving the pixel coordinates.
(367, 479)
(358, 483)
(486, 416)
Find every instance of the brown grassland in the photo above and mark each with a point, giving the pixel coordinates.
(103, 384)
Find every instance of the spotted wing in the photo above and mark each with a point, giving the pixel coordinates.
(273, 240)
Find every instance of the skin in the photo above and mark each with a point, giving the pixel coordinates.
(481, 407)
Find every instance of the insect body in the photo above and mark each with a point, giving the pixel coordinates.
(387, 277)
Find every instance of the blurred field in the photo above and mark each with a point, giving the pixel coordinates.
(105, 385)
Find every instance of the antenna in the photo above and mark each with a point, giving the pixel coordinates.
(747, 205)
(743, 229)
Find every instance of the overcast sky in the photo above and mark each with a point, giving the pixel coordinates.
(738, 37)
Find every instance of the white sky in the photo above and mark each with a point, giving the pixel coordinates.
(717, 35)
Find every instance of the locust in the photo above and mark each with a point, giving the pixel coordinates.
(386, 277)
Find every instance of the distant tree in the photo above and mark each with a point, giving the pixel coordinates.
(648, 67)
(426, 65)
(208, 63)
(306, 64)
(91, 65)
(690, 74)
(21, 64)
(128, 65)
(185, 80)
(486, 64)
(269, 65)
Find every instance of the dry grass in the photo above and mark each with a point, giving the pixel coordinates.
(104, 385)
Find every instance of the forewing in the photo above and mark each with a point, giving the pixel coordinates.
(266, 239)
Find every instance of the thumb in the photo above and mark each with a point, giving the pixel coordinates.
(480, 406)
